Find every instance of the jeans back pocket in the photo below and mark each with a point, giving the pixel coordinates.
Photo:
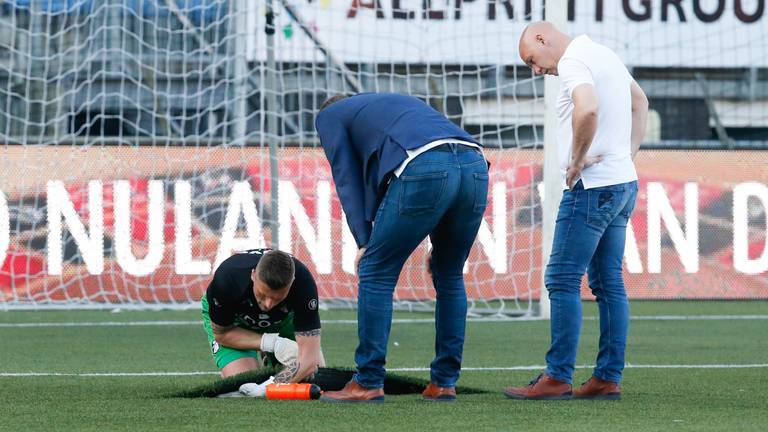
(481, 191)
(604, 205)
(421, 193)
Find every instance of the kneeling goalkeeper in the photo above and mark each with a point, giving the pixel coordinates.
(263, 302)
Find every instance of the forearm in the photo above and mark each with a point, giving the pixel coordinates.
(639, 116)
(296, 372)
(239, 338)
(639, 120)
(310, 357)
(584, 128)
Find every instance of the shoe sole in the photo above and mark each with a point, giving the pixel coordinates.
(379, 399)
(567, 396)
(609, 396)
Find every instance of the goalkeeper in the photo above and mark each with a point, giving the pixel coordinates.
(263, 303)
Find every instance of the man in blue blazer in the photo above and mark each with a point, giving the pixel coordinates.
(403, 172)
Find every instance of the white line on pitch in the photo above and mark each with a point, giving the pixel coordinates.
(586, 318)
(394, 321)
(102, 324)
(404, 369)
(628, 366)
(695, 317)
(103, 374)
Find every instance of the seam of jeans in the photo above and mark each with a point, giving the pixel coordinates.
(570, 223)
(373, 229)
(631, 201)
(426, 163)
(381, 206)
(559, 329)
(559, 311)
(610, 333)
(424, 176)
(589, 206)
(567, 235)
(602, 292)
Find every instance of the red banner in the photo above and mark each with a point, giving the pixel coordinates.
(123, 225)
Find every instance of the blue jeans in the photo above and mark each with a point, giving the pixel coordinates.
(440, 194)
(590, 233)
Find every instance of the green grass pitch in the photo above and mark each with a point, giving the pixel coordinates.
(654, 399)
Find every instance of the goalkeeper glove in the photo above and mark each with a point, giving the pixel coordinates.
(286, 351)
(256, 390)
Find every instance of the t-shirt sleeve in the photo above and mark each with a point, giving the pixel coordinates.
(220, 307)
(305, 303)
(627, 75)
(574, 73)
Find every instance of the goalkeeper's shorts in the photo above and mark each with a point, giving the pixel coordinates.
(224, 355)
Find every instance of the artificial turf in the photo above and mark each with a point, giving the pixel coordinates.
(654, 398)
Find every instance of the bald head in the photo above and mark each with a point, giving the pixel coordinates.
(537, 28)
(541, 46)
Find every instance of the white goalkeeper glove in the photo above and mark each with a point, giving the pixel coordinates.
(256, 390)
(286, 351)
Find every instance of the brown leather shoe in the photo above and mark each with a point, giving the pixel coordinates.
(543, 387)
(354, 393)
(433, 393)
(598, 389)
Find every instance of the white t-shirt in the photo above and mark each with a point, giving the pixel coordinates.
(586, 62)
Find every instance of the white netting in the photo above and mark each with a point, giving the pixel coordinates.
(160, 115)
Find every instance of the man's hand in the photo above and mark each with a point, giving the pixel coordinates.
(286, 351)
(360, 253)
(573, 173)
(310, 357)
(591, 160)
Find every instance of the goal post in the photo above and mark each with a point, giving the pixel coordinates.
(557, 13)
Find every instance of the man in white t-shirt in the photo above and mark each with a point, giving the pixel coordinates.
(601, 121)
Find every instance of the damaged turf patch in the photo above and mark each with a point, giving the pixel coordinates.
(329, 379)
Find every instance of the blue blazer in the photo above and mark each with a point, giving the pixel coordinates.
(365, 138)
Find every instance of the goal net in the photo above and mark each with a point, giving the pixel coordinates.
(146, 140)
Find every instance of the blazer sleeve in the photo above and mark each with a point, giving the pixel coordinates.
(347, 172)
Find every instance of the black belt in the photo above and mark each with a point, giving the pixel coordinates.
(460, 148)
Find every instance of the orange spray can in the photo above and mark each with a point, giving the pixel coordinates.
(293, 391)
